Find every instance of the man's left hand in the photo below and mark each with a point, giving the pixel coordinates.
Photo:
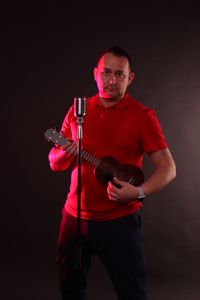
(121, 191)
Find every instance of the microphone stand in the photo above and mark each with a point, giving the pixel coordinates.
(79, 162)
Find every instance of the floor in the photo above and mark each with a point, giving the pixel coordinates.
(33, 283)
(174, 289)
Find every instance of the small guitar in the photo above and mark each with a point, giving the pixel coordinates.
(105, 168)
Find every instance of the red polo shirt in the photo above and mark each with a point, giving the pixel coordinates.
(124, 131)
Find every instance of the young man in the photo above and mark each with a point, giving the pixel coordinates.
(118, 126)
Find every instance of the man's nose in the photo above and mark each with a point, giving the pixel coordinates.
(112, 79)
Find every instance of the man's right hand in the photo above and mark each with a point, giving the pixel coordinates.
(70, 148)
(61, 157)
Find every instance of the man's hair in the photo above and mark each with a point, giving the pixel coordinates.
(117, 51)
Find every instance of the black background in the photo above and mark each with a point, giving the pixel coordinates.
(47, 58)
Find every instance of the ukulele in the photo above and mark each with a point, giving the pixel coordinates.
(106, 167)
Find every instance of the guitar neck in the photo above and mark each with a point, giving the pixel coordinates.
(58, 139)
(90, 158)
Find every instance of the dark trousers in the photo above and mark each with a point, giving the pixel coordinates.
(118, 244)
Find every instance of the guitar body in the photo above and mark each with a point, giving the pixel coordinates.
(110, 168)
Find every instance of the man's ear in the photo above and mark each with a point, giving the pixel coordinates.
(95, 73)
(131, 78)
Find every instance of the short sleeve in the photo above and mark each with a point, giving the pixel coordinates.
(152, 135)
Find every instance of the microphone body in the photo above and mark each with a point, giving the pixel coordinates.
(79, 112)
(79, 107)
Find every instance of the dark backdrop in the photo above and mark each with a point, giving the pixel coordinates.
(47, 55)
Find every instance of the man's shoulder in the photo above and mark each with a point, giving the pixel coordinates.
(138, 105)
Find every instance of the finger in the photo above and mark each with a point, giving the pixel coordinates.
(112, 187)
(70, 149)
(118, 181)
(113, 197)
(115, 186)
(66, 146)
(111, 194)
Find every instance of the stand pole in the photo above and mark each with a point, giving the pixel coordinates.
(79, 249)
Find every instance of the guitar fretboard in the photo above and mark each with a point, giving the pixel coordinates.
(91, 158)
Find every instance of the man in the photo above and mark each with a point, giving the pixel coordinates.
(119, 126)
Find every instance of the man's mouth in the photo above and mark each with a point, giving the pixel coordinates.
(111, 88)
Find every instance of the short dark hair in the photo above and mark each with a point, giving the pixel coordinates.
(117, 51)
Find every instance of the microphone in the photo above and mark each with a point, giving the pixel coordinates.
(79, 107)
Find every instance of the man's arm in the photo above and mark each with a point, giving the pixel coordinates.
(164, 172)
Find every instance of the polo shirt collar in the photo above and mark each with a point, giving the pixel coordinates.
(123, 103)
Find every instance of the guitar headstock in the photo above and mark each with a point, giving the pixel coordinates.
(52, 135)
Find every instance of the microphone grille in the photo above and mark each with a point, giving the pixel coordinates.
(79, 106)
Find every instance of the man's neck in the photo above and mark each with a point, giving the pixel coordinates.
(109, 101)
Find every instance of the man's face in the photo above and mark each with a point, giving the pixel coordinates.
(113, 76)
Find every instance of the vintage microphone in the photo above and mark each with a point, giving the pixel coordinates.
(79, 113)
